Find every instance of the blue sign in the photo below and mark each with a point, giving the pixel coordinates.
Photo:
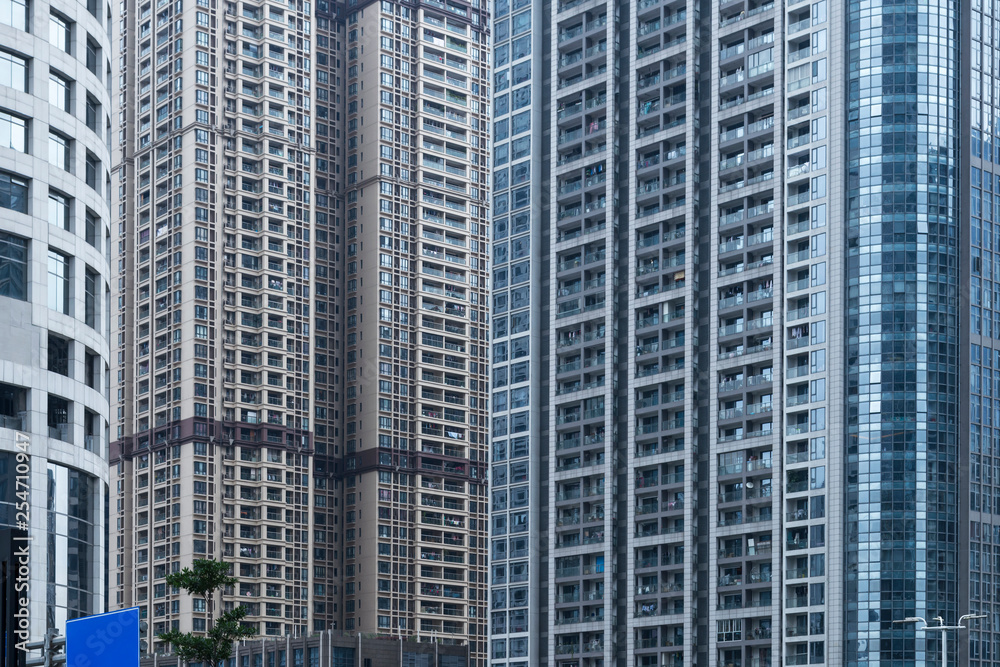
(105, 639)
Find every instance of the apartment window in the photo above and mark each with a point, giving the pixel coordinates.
(13, 267)
(521, 122)
(818, 274)
(13, 192)
(13, 71)
(817, 390)
(14, 13)
(13, 132)
(817, 477)
(817, 509)
(60, 89)
(60, 32)
(59, 207)
(59, 282)
(59, 150)
(521, 73)
(729, 630)
(817, 419)
(817, 303)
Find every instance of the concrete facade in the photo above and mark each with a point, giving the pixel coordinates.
(302, 309)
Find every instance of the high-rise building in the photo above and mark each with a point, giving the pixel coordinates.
(417, 320)
(728, 349)
(973, 170)
(55, 136)
(302, 313)
(220, 292)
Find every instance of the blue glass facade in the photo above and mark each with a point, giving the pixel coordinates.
(515, 329)
(902, 330)
(984, 331)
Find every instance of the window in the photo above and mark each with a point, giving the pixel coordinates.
(817, 303)
(521, 23)
(518, 448)
(13, 71)
(93, 56)
(521, 47)
(60, 91)
(817, 477)
(91, 297)
(13, 131)
(521, 122)
(817, 419)
(59, 348)
(521, 73)
(13, 267)
(502, 29)
(501, 81)
(93, 225)
(60, 32)
(520, 148)
(14, 13)
(729, 630)
(817, 508)
(817, 390)
(521, 98)
(93, 114)
(93, 170)
(59, 282)
(817, 448)
(13, 192)
(58, 210)
(59, 150)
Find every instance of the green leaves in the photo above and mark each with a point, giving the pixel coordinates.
(189, 648)
(205, 577)
(202, 580)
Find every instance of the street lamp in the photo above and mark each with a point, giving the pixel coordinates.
(942, 628)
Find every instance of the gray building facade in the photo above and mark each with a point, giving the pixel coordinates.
(747, 427)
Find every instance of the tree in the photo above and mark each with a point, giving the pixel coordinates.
(202, 580)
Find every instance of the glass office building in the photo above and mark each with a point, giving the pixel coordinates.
(55, 189)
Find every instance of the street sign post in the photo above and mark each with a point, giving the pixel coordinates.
(110, 639)
(51, 648)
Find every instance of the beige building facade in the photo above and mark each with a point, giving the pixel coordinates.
(284, 255)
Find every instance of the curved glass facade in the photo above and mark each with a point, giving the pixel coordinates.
(902, 331)
(55, 182)
(74, 575)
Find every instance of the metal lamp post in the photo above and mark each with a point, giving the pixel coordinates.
(942, 628)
